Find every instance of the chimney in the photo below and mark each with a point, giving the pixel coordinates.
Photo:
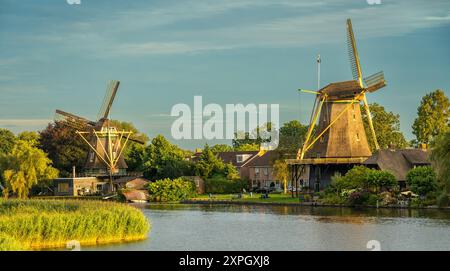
(423, 146)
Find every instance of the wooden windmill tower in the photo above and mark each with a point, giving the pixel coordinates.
(105, 156)
(339, 140)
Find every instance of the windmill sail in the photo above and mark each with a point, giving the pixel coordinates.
(353, 54)
(110, 94)
(72, 120)
(375, 81)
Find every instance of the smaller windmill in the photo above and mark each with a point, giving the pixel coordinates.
(106, 142)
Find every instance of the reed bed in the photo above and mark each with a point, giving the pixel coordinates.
(52, 223)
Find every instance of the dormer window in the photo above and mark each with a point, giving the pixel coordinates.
(241, 158)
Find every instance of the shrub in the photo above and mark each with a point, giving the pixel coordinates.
(358, 198)
(353, 179)
(219, 184)
(443, 200)
(171, 190)
(378, 180)
(422, 180)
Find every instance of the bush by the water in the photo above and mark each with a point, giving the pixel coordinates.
(422, 180)
(171, 190)
(360, 186)
(219, 184)
(51, 223)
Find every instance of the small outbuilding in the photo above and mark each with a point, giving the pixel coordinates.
(398, 162)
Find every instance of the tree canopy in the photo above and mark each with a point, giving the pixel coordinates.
(387, 128)
(165, 160)
(64, 147)
(24, 167)
(292, 136)
(7, 140)
(440, 156)
(433, 117)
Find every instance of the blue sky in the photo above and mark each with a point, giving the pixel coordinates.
(56, 55)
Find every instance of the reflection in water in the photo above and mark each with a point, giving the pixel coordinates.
(248, 227)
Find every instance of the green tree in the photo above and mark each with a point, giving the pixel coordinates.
(281, 171)
(29, 136)
(221, 148)
(378, 180)
(64, 147)
(440, 157)
(433, 117)
(7, 140)
(164, 159)
(421, 180)
(292, 136)
(244, 141)
(387, 128)
(208, 164)
(26, 166)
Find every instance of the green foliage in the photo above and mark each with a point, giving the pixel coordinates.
(7, 140)
(64, 147)
(443, 200)
(7, 243)
(386, 125)
(357, 177)
(135, 157)
(219, 184)
(422, 180)
(378, 180)
(208, 164)
(29, 136)
(24, 167)
(433, 117)
(247, 147)
(360, 186)
(165, 160)
(292, 135)
(171, 190)
(245, 141)
(440, 156)
(51, 223)
(221, 148)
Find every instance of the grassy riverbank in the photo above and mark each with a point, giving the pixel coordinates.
(29, 224)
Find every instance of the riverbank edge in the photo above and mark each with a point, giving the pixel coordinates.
(90, 242)
(306, 204)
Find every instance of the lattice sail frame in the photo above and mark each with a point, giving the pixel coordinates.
(114, 148)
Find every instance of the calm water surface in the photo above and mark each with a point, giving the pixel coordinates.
(237, 227)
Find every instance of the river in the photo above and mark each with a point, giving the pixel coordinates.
(240, 227)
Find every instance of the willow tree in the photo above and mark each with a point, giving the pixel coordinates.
(24, 167)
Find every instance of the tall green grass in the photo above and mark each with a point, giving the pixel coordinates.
(52, 223)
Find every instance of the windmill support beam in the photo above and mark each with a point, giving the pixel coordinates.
(311, 128)
(369, 119)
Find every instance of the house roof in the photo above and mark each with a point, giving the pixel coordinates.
(231, 157)
(265, 160)
(398, 162)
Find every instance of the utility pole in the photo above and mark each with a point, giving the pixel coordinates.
(318, 71)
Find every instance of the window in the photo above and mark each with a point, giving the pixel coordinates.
(357, 137)
(63, 187)
(354, 114)
(91, 157)
(256, 171)
(266, 171)
(239, 158)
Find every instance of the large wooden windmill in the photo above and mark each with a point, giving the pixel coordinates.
(339, 139)
(106, 142)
